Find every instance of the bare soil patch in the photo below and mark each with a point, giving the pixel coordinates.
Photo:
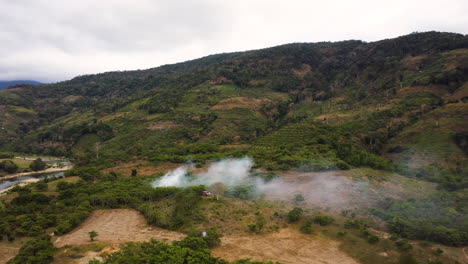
(287, 246)
(7, 253)
(239, 102)
(162, 125)
(143, 168)
(116, 226)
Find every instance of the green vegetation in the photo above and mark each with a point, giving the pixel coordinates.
(92, 235)
(295, 214)
(190, 250)
(440, 217)
(396, 105)
(38, 165)
(8, 166)
(39, 250)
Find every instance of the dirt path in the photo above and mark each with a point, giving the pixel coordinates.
(116, 226)
(464, 252)
(287, 246)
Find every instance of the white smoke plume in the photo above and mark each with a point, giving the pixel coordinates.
(230, 172)
(330, 190)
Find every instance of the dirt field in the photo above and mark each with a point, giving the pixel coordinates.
(143, 168)
(287, 246)
(122, 225)
(116, 226)
(7, 253)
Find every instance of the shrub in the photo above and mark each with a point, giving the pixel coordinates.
(341, 234)
(8, 166)
(323, 220)
(373, 239)
(37, 165)
(403, 245)
(39, 250)
(295, 214)
(306, 228)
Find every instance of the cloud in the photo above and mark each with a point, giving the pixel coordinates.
(53, 40)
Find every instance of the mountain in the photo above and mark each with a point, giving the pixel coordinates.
(369, 97)
(6, 84)
(388, 118)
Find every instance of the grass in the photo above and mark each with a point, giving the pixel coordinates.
(22, 164)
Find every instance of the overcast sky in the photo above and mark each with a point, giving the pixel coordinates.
(53, 40)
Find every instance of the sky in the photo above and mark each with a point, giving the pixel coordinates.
(55, 40)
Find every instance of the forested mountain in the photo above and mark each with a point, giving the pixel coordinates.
(353, 96)
(398, 106)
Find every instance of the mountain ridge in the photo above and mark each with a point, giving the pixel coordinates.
(6, 84)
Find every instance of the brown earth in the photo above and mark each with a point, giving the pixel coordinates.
(142, 167)
(162, 125)
(286, 246)
(239, 102)
(7, 253)
(122, 225)
(116, 226)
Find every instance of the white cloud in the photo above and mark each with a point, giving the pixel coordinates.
(52, 40)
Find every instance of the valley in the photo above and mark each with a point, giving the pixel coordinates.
(329, 152)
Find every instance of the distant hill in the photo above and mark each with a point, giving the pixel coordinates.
(330, 104)
(6, 84)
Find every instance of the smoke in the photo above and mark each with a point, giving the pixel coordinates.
(331, 190)
(230, 172)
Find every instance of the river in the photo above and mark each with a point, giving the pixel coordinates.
(6, 183)
(50, 173)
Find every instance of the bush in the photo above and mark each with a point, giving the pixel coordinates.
(39, 250)
(41, 186)
(37, 165)
(212, 238)
(8, 166)
(403, 245)
(306, 228)
(373, 239)
(323, 220)
(295, 214)
(341, 234)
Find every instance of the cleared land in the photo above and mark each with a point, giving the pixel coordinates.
(116, 226)
(287, 246)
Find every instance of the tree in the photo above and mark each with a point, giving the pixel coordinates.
(37, 165)
(295, 214)
(92, 234)
(8, 166)
(38, 250)
(218, 189)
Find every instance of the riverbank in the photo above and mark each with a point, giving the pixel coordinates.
(48, 170)
(21, 183)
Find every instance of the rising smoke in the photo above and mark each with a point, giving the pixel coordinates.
(230, 172)
(327, 190)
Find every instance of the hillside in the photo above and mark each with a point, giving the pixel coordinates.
(362, 95)
(374, 134)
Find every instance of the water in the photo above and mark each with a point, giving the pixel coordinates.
(41, 176)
